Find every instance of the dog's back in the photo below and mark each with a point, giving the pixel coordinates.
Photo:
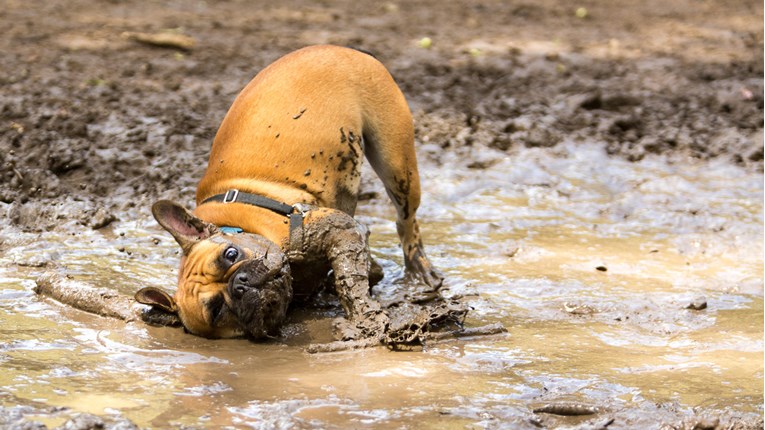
(298, 131)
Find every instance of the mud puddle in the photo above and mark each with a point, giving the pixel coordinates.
(591, 262)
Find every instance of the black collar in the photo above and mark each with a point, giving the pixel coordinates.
(295, 212)
(235, 196)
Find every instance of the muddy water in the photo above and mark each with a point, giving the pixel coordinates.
(589, 261)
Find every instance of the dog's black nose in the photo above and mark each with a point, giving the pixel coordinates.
(240, 286)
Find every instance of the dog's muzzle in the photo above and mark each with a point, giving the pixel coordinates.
(260, 291)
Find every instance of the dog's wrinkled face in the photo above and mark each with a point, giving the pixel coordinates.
(228, 284)
(259, 292)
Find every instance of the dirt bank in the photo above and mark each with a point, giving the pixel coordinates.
(94, 125)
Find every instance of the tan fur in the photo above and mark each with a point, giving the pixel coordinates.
(261, 125)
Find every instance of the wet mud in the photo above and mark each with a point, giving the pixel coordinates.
(592, 181)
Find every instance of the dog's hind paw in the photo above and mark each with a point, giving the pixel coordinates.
(421, 271)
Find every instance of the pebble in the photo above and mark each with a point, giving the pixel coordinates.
(698, 304)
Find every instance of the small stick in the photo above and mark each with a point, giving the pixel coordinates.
(484, 330)
(343, 345)
(567, 409)
(99, 301)
(349, 345)
(164, 40)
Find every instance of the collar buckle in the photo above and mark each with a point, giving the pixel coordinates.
(231, 196)
(301, 208)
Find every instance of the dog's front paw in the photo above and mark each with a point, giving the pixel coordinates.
(371, 326)
(345, 330)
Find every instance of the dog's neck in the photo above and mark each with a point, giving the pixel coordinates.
(250, 219)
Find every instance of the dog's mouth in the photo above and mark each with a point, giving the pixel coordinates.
(258, 293)
(218, 310)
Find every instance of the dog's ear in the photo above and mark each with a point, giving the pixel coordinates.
(157, 298)
(182, 224)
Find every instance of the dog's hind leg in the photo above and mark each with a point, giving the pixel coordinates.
(389, 147)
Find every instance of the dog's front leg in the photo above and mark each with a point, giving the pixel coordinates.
(349, 257)
(343, 242)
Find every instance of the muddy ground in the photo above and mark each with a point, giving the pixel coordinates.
(95, 126)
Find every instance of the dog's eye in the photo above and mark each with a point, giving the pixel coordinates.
(231, 254)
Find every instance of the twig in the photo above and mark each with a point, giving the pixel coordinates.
(350, 345)
(343, 345)
(567, 409)
(99, 301)
(484, 330)
(164, 40)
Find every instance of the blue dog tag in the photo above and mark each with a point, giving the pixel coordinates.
(231, 230)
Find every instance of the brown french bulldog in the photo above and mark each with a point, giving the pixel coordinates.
(275, 207)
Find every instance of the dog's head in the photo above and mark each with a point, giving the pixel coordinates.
(228, 284)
